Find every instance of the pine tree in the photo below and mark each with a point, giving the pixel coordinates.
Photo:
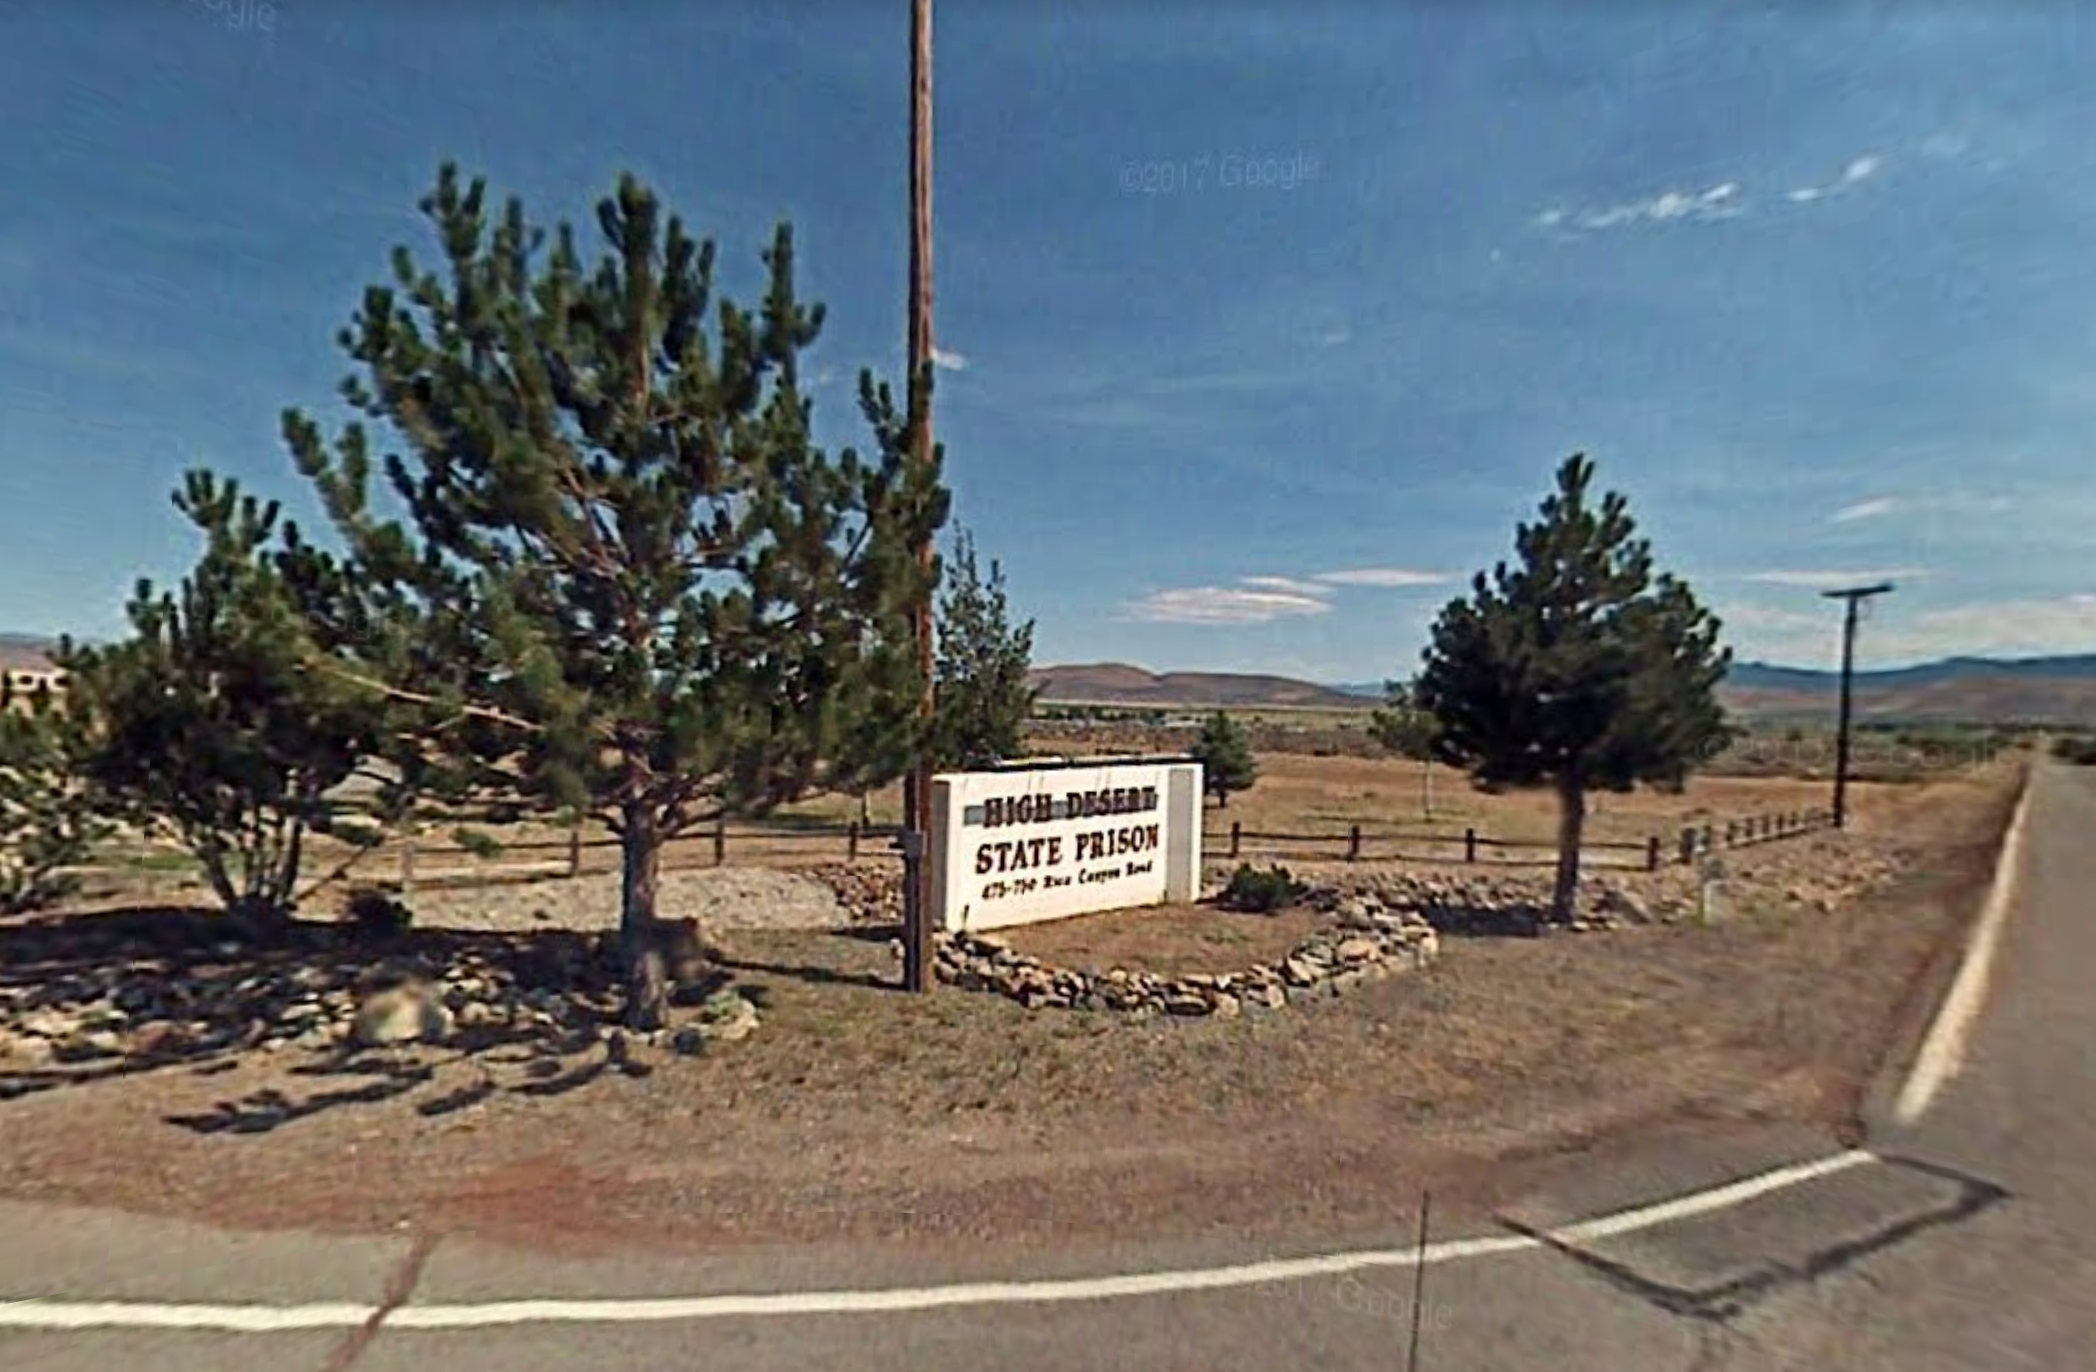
(1578, 666)
(628, 580)
(50, 821)
(206, 721)
(1410, 732)
(1225, 754)
(983, 697)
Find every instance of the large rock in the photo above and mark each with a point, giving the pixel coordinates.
(727, 1017)
(402, 1014)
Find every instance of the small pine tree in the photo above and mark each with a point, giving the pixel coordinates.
(1578, 666)
(206, 720)
(49, 820)
(1225, 754)
(1410, 732)
(983, 697)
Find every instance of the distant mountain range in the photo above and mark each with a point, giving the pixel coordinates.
(1958, 689)
(1980, 690)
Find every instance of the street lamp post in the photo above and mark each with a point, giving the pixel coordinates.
(1854, 596)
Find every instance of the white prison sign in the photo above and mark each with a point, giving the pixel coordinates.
(1045, 841)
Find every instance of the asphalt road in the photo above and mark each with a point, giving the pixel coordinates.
(1961, 1239)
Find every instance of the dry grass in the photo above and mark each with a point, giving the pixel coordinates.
(1318, 798)
(859, 1110)
(1170, 940)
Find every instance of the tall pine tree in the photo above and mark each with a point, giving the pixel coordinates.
(1577, 665)
(627, 579)
(983, 697)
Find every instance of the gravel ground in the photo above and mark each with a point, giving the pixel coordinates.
(721, 898)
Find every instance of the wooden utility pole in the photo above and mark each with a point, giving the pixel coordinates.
(1855, 596)
(917, 791)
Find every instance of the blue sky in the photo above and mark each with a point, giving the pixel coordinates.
(1809, 283)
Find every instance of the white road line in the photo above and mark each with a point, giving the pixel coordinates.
(1943, 1051)
(1703, 1202)
(42, 1314)
(237, 1319)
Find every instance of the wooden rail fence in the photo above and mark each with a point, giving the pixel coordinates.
(1652, 852)
(410, 858)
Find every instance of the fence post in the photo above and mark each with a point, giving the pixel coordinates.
(1688, 846)
(1353, 844)
(1236, 836)
(1652, 853)
(1470, 845)
(1731, 832)
(851, 836)
(1710, 833)
(720, 841)
(575, 851)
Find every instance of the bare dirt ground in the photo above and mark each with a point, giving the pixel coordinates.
(857, 1111)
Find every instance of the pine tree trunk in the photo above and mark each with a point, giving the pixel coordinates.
(1571, 828)
(647, 973)
(1426, 787)
(1222, 798)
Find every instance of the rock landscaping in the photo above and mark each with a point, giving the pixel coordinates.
(140, 1000)
(1368, 941)
(136, 992)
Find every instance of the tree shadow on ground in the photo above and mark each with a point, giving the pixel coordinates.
(157, 989)
(813, 974)
(1461, 920)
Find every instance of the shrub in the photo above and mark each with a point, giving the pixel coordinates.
(475, 843)
(2081, 752)
(1262, 892)
(375, 914)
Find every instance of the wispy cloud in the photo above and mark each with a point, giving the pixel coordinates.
(1865, 509)
(1332, 338)
(1291, 585)
(1858, 170)
(949, 361)
(1668, 207)
(1723, 201)
(1241, 604)
(1831, 580)
(1262, 599)
(1384, 577)
(1881, 506)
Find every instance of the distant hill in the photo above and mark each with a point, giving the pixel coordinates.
(26, 652)
(1116, 683)
(1982, 690)
(1956, 690)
